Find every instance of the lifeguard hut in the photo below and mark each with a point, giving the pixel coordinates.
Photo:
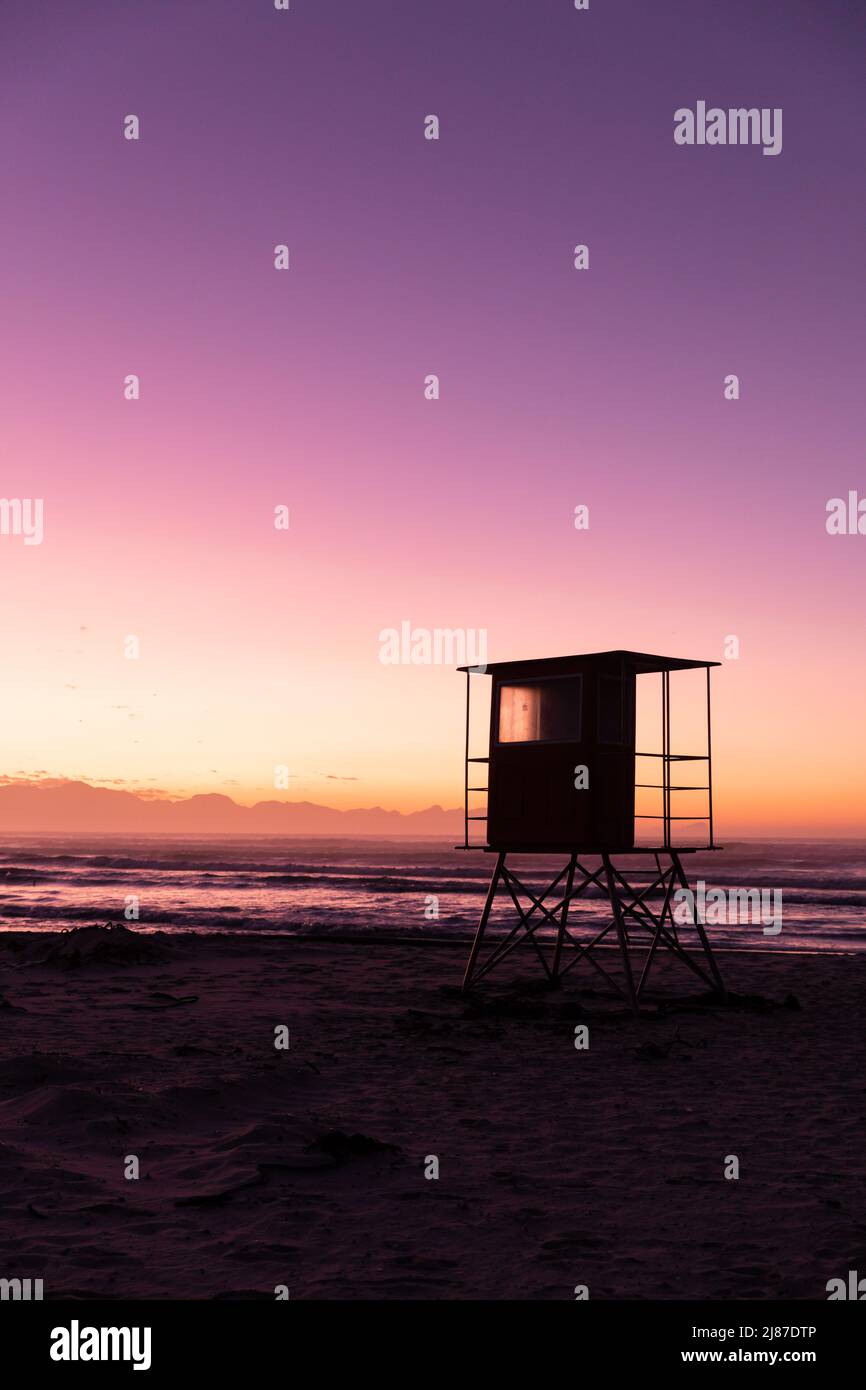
(562, 781)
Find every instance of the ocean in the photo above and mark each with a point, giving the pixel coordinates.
(394, 888)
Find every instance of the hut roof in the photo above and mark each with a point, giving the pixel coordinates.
(642, 663)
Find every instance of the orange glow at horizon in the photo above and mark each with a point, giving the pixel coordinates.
(392, 736)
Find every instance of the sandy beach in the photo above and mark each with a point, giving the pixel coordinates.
(305, 1167)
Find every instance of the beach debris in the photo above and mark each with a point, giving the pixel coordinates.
(505, 1006)
(572, 1009)
(113, 944)
(740, 1003)
(216, 1199)
(664, 1050)
(171, 1001)
(759, 1004)
(450, 991)
(342, 1147)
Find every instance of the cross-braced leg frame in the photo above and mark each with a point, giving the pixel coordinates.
(633, 918)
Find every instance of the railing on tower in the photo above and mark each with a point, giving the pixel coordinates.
(666, 787)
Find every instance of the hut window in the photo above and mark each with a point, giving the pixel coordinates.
(609, 709)
(543, 711)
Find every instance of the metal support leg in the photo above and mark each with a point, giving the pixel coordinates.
(699, 927)
(619, 919)
(560, 935)
(476, 945)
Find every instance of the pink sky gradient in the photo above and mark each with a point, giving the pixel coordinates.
(261, 647)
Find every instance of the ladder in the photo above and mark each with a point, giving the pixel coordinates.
(467, 760)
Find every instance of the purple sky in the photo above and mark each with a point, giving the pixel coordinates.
(409, 257)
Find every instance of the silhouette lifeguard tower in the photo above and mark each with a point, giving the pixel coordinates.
(562, 781)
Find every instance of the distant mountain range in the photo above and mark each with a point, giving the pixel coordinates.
(78, 807)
